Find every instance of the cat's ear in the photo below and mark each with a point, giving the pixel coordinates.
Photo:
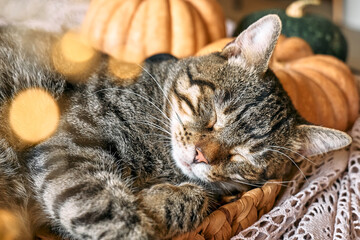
(254, 46)
(317, 140)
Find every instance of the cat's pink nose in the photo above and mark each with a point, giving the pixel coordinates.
(199, 157)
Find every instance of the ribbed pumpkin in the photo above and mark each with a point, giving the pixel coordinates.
(321, 87)
(131, 30)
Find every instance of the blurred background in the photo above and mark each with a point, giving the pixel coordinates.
(55, 15)
(345, 13)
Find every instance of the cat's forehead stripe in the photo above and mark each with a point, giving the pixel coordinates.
(185, 99)
(191, 90)
(200, 82)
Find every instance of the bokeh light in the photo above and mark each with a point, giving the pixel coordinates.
(9, 227)
(126, 72)
(34, 115)
(74, 57)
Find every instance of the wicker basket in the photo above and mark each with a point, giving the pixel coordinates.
(231, 218)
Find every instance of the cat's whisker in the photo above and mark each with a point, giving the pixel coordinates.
(159, 120)
(225, 188)
(302, 156)
(302, 173)
(165, 143)
(158, 126)
(161, 140)
(270, 181)
(162, 112)
(275, 181)
(136, 94)
(280, 183)
(152, 125)
(247, 183)
(260, 184)
(159, 135)
(162, 90)
(131, 92)
(142, 97)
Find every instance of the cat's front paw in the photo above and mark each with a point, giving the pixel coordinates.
(175, 209)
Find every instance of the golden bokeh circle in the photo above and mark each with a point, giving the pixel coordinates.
(9, 227)
(75, 48)
(73, 57)
(127, 72)
(34, 115)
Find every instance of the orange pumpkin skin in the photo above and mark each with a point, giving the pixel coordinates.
(321, 87)
(131, 30)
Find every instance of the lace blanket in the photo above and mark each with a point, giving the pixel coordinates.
(324, 205)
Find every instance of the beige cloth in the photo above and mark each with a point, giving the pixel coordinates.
(47, 15)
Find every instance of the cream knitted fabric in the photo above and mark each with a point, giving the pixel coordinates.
(325, 206)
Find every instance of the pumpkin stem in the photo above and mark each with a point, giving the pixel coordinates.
(296, 8)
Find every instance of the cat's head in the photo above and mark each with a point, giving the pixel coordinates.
(231, 120)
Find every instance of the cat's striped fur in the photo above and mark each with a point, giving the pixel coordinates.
(145, 161)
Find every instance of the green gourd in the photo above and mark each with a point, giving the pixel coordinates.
(323, 35)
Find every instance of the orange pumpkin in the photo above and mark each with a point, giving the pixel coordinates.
(131, 30)
(321, 87)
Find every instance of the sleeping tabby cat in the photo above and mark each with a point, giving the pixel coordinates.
(147, 160)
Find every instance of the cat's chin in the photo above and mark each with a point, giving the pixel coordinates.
(186, 169)
(184, 160)
(197, 171)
